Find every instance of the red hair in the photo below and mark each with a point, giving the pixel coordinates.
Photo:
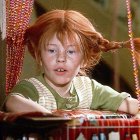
(72, 25)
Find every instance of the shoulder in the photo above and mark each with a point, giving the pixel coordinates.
(82, 79)
(83, 83)
(86, 80)
(27, 83)
(26, 88)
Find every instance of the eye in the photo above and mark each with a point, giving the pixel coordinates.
(71, 52)
(51, 50)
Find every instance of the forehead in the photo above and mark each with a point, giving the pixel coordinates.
(64, 40)
(54, 39)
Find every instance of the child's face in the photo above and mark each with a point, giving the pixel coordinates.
(60, 63)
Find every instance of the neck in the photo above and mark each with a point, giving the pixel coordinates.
(62, 90)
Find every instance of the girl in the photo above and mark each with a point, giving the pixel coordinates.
(65, 44)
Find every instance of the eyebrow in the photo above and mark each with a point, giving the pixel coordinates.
(52, 44)
(72, 45)
(69, 45)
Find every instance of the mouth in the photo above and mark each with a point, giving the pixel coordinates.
(60, 70)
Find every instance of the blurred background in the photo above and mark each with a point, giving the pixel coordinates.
(110, 18)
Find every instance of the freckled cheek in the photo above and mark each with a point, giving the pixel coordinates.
(76, 62)
(47, 61)
(48, 68)
(47, 58)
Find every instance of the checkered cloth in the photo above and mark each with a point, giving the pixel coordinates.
(86, 123)
(81, 124)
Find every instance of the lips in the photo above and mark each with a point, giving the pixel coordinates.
(60, 70)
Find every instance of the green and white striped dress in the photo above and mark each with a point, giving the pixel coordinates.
(86, 93)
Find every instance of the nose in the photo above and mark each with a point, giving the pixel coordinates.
(61, 57)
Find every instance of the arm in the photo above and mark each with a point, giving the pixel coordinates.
(17, 103)
(129, 105)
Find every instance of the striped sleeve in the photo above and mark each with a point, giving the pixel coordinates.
(25, 89)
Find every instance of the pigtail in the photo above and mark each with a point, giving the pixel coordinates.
(28, 43)
(136, 42)
(106, 46)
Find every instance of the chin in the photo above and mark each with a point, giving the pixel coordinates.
(62, 83)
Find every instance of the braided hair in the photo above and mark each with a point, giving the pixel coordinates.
(77, 28)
